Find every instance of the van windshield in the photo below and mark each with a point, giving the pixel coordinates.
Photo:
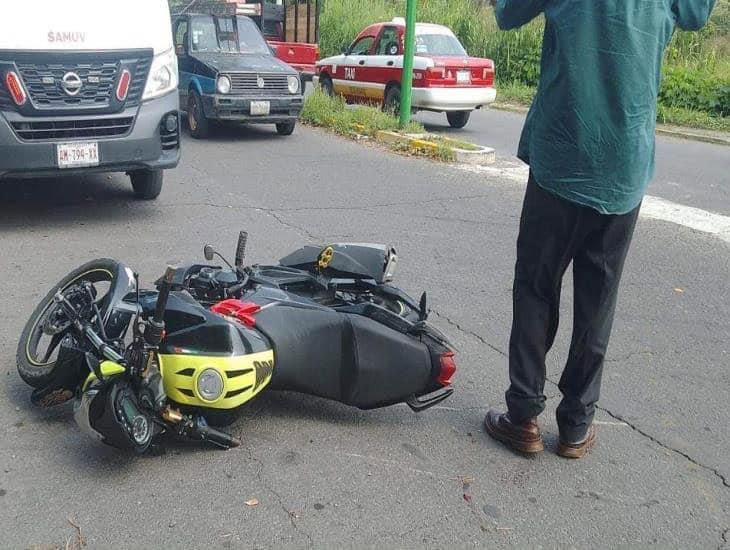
(227, 35)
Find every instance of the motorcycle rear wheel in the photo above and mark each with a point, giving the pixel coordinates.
(40, 372)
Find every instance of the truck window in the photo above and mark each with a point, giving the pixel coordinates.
(181, 36)
(227, 34)
(362, 46)
(389, 42)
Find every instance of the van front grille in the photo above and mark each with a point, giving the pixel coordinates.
(41, 130)
(45, 82)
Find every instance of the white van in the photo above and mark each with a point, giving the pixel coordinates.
(88, 86)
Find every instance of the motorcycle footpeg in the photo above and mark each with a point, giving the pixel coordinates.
(422, 402)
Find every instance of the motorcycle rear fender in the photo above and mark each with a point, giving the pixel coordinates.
(244, 376)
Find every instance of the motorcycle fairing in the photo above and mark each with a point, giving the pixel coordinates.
(244, 376)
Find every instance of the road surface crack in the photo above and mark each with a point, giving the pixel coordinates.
(279, 499)
(725, 536)
(616, 416)
(638, 430)
(461, 329)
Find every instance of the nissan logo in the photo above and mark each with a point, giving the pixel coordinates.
(260, 82)
(71, 84)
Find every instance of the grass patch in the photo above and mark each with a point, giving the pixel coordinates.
(334, 114)
(515, 92)
(692, 119)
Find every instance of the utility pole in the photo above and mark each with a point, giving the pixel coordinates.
(407, 78)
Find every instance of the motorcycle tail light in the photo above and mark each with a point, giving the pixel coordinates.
(123, 86)
(12, 81)
(447, 370)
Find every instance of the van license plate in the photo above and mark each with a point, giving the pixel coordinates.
(463, 77)
(71, 155)
(260, 108)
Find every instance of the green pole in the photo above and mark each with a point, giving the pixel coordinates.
(407, 79)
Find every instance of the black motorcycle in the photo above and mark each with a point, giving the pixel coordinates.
(186, 357)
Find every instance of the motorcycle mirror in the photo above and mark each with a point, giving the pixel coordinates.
(208, 252)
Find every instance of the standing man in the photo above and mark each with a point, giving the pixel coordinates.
(589, 141)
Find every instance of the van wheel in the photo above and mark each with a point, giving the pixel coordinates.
(458, 119)
(147, 184)
(285, 128)
(391, 104)
(198, 124)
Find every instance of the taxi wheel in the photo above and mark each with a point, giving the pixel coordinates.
(458, 119)
(199, 125)
(325, 83)
(391, 104)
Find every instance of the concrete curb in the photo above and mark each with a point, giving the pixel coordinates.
(418, 143)
(717, 138)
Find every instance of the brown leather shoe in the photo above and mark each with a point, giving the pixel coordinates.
(524, 437)
(579, 449)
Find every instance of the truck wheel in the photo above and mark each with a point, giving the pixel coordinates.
(325, 84)
(147, 184)
(391, 104)
(285, 128)
(458, 119)
(199, 125)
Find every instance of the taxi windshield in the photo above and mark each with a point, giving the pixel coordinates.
(227, 35)
(438, 44)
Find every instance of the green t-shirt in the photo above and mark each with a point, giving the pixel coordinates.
(589, 135)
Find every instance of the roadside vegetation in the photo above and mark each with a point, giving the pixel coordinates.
(333, 113)
(696, 86)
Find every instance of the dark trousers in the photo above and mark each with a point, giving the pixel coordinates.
(554, 232)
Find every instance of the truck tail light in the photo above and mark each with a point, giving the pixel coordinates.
(12, 81)
(123, 86)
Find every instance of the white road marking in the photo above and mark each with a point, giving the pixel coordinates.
(606, 423)
(654, 208)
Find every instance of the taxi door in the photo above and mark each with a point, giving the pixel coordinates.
(351, 75)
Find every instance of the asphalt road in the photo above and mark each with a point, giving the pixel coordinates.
(327, 476)
(687, 172)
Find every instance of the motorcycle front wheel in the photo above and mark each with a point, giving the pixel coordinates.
(43, 333)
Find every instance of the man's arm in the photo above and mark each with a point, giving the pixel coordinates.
(692, 15)
(515, 13)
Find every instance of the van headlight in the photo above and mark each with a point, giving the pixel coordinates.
(293, 82)
(224, 84)
(163, 75)
(210, 384)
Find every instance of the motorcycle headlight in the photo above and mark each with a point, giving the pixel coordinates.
(210, 385)
(163, 75)
(224, 84)
(293, 82)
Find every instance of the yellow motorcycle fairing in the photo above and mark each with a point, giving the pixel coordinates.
(108, 369)
(244, 376)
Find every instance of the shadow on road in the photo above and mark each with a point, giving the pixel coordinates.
(27, 203)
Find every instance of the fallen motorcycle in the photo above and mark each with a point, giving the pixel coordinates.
(186, 357)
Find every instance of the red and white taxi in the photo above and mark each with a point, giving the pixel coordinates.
(445, 78)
